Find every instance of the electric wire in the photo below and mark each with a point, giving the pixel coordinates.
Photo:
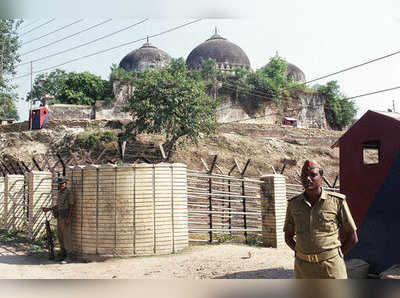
(345, 98)
(47, 34)
(66, 37)
(37, 27)
(29, 24)
(260, 93)
(112, 48)
(353, 67)
(83, 44)
(373, 92)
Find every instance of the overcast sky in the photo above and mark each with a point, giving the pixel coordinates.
(320, 37)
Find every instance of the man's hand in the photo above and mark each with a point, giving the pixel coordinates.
(348, 240)
(289, 239)
(67, 220)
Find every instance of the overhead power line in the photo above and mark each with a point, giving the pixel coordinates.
(260, 94)
(112, 48)
(37, 27)
(374, 92)
(353, 67)
(59, 29)
(83, 44)
(66, 37)
(29, 24)
(352, 97)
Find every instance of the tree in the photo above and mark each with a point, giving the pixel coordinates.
(7, 106)
(171, 102)
(268, 84)
(9, 57)
(71, 88)
(339, 111)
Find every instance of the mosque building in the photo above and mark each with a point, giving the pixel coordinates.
(226, 54)
(308, 112)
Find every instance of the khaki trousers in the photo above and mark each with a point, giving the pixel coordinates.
(331, 268)
(64, 235)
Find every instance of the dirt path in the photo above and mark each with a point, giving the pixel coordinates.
(197, 262)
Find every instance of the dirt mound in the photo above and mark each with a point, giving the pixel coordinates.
(268, 147)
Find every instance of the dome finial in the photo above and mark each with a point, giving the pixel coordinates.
(147, 39)
(215, 30)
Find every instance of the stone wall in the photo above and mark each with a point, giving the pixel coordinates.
(67, 112)
(312, 113)
(308, 109)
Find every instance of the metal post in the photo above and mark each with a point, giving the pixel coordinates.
(210, 206)
(30, 101)
(229, 203)
(244, 201)
(210, 191)
(244, 212)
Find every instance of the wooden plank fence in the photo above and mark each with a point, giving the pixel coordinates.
(224, 206)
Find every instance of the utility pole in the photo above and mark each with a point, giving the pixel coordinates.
(1, 64)
(30, 101)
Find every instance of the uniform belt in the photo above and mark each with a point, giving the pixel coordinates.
(318, 257)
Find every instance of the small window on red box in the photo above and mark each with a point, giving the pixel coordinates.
(371, 152)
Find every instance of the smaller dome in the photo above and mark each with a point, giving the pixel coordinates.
(145, 57)
(295, 73)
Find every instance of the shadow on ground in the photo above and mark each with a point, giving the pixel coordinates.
(274, 273)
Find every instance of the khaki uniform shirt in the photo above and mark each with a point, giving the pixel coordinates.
(317, 228)
(64, 199)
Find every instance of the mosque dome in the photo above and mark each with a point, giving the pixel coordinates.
(147, 56)
(295, 73)
(226, 54)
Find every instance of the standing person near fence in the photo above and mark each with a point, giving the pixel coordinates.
(319, 228)
(63, 212)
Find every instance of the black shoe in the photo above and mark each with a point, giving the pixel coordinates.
(61, 256)
(68, 259)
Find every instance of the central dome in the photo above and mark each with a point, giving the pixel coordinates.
(147, 56)
(225, 53)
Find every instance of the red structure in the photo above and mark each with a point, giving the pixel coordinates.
(40, 117)
(370, 179)
(289, 121)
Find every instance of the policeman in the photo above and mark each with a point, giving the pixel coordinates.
(319, 228)
(63, 212)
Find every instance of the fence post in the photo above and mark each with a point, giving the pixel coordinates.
(210, 191)
(5, 216)
(244, 201)
(229, 198)
(273, 209)
(29, 195)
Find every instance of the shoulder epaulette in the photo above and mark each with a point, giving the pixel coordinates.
(295, 197)
(336, 194)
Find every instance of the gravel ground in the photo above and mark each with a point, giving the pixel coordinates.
(224, 261)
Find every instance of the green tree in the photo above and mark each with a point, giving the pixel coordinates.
(51, 84)
(7, 106)
(171, 102)
(339, 111)
(9, 44)
(121, 75)
(71, 88)
(269, 83)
